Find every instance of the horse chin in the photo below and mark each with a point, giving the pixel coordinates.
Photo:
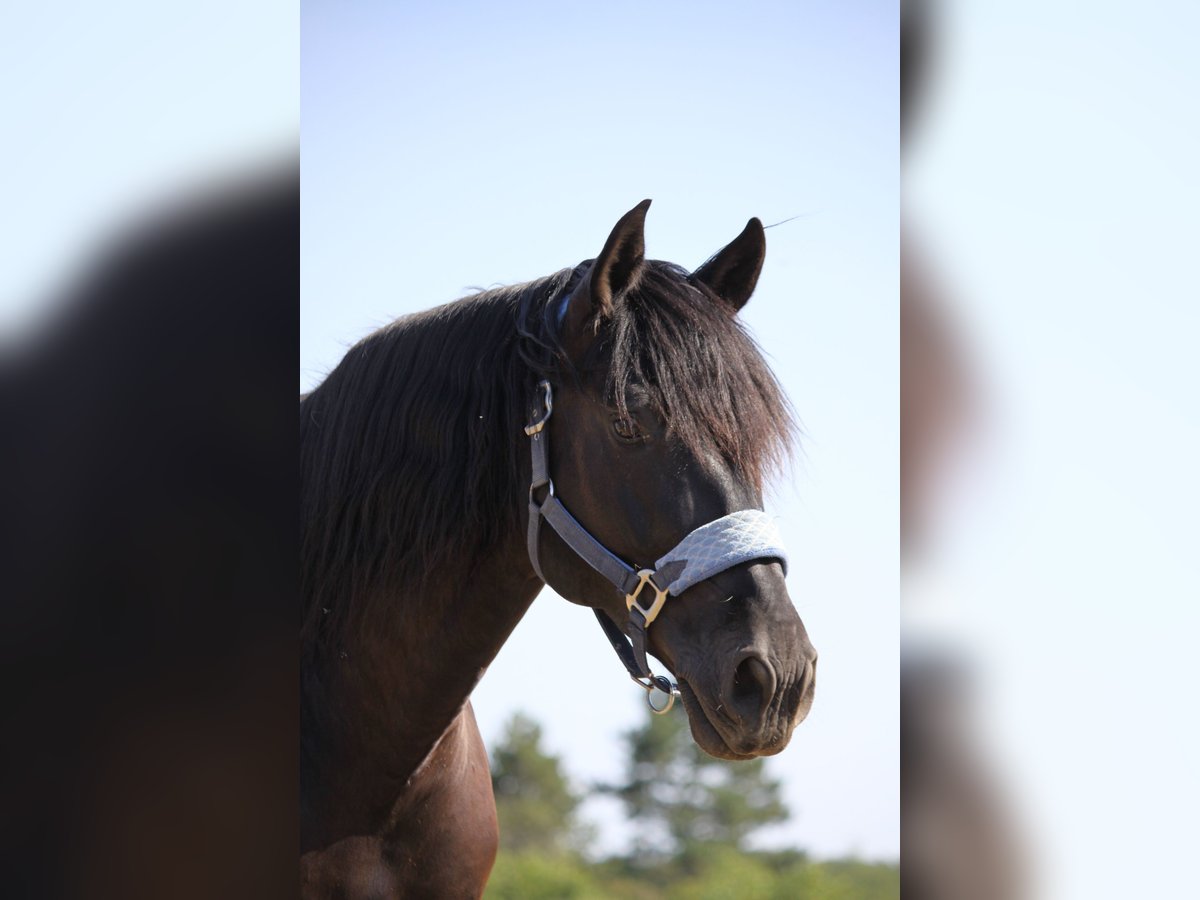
(704, 733)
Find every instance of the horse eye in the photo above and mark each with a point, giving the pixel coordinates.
(627, 429)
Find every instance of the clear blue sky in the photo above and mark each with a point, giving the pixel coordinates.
(457, 145)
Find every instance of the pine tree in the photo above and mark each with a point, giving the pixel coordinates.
(534, 801)
(683, 802)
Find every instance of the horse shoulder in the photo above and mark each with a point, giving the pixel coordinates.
(440, 839)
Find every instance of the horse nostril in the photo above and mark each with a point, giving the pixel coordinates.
(753, 687)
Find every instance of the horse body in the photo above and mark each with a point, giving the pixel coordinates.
(414, 566)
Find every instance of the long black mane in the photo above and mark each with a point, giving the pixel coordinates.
(409, 449)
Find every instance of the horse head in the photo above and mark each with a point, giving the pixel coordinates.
(666, 419)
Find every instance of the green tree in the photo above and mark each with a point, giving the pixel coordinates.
(536, 876)
(534, 801)
(690, 815)
(684, 802)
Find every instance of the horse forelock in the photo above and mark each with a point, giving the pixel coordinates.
(679, 344)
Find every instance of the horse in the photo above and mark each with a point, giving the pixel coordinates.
(625, 390)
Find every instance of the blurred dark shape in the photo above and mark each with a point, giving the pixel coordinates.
(147, 564)
(958, 841)
(936, 394)
(916, 51)
(958, 837)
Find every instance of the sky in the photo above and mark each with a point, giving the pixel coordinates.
(455, 146)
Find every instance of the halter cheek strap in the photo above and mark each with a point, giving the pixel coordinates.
(708, 550)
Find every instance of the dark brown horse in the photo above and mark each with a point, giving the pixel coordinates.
(415, 492)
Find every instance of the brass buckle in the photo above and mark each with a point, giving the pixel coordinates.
(660, 596)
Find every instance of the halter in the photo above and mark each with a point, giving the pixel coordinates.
(708, 550)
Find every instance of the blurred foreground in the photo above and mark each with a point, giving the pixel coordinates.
(148, 556)
(1050, 438)
(149, 226)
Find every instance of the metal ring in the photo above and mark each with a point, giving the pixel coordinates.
(549, 485)
(663, 685)
(547, 408)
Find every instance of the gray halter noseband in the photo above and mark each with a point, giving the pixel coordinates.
(708, 550)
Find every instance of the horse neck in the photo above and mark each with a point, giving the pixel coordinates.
(405, 645)
(376, 705)
(406, 675)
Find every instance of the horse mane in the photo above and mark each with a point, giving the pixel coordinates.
(409, 450)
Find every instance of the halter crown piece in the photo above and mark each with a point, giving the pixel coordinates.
(708, 550)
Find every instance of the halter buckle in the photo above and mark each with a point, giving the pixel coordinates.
(547, 407)
(645, 577)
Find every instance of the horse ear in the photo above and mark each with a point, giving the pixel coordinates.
(613, 272)
(733, 272)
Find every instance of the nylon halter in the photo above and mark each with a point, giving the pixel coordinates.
(706, 551)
